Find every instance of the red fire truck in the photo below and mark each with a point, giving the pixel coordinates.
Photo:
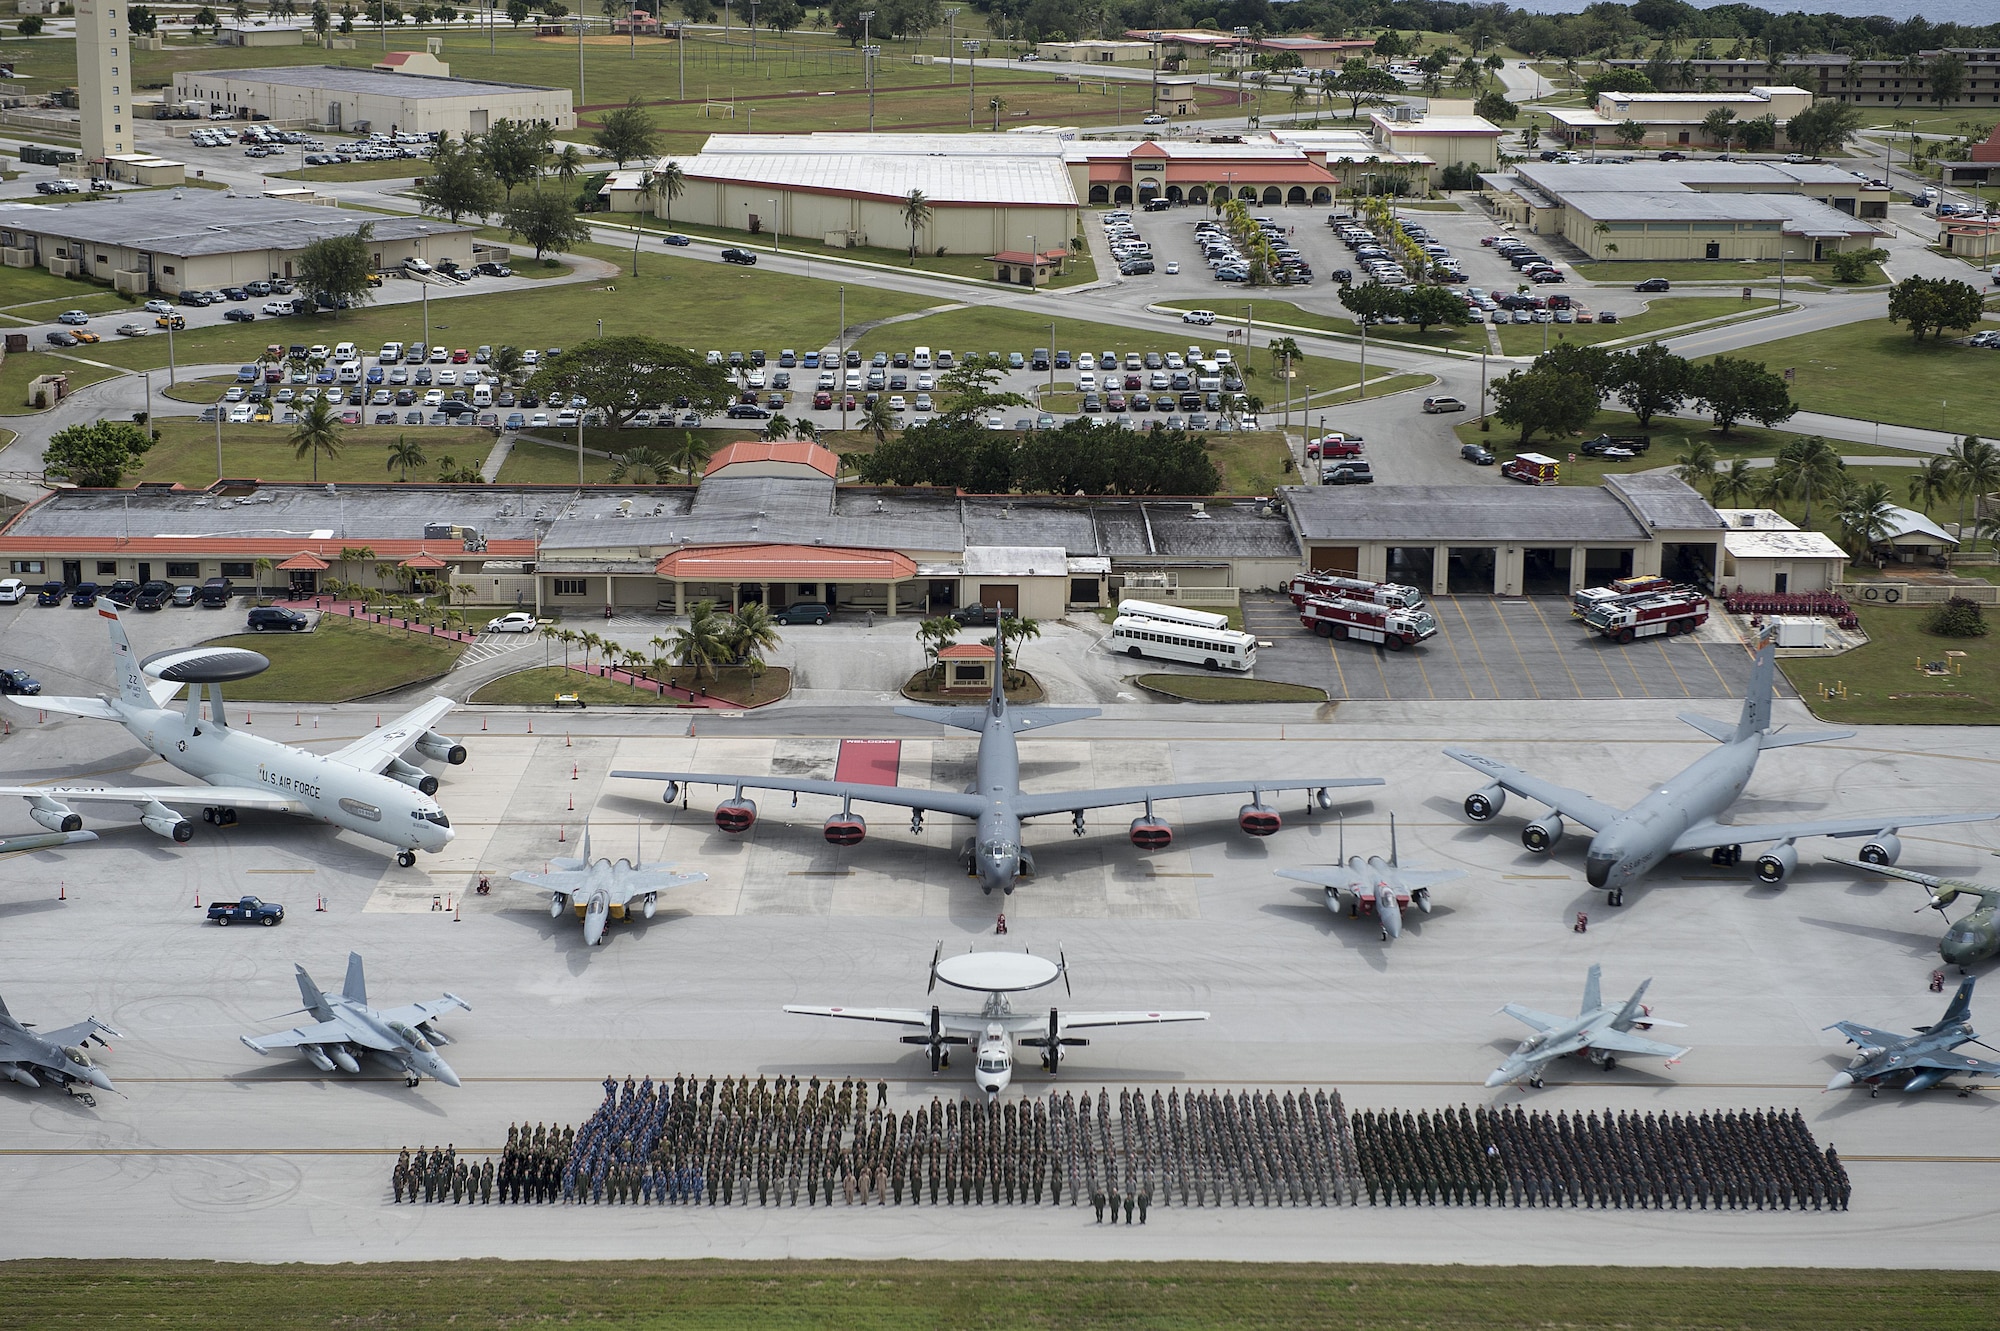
(1650, 616)
(1391, 626)
(1339, 587)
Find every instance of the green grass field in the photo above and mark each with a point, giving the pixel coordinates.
(540, 686)
(986, 1296)
(1716, 270)
(18, 370)
(1080, 269)
(186, 452)
(339, 661)
(339, 172)
(1885, 685)
(1875, 371)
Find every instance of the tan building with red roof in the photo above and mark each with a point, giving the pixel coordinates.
(1263, 172)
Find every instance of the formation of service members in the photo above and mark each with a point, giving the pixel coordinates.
(724, 1143)
(1503, 1156)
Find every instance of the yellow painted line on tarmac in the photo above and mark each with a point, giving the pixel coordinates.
(1550, 630)
(1338, 673)
(1711, 664)
(1668, 658)
(1425, 672)
(1473, 638)
(1500, 617)
(1456, 660)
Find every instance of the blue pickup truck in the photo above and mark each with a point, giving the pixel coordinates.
(247, 911)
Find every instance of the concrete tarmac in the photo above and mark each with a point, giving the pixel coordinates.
(213, 1152)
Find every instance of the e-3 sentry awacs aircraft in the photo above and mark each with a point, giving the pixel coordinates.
(365, 787)
(995, 801)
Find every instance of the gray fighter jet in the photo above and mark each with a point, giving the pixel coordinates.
(1682, 814)
(995, 802)
(1599, 1033)
(349, 1028)
(1971, 938)
(59, 1056)
(600, 891)
(1385, 887)
(1924, 1058)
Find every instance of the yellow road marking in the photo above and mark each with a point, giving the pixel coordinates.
(1668, 658)
(1478, 651)
(1499, 613)
(1610, 678)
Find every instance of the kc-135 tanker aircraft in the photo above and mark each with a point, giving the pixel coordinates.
(995, 802)
(365, 787)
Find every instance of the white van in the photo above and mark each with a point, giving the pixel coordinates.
(482, 395)
(349, 373)
(345, 352)
(391, 353)
(1086, 381)
(921, 358)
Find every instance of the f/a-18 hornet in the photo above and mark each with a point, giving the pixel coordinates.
(404, 1037)
(995, 1028)
(600, 891)
(1972, 937)
(1919, 1061)
(59, 1056)
(995, 801)
(1386, 887)
(1598, 1032)
(365, 787)
(1682, 814)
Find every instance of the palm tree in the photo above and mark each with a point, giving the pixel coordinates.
(690, 454)
(916, 212)
(1864, 517)
(1697, 465)
(1734, 484)
(565, 637)
(506, 360)
(404, 454)
(702, 642)
(777, 428)
(1933, 481)
(1809, 466)
(669, 183)
(1719, 124)
(317, 432)
(996, 106)
(1017, 631)
(934, 635)
(1975, 471)
(641, 466)
(569, 163)
(878, 419)
(751, 632)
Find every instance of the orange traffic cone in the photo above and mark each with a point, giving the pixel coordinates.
(562, 832)
(197, 898)
(62, 890)
(572, 804)
(454, 913)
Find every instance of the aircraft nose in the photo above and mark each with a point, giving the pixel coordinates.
(593, 930)
(1597, 869)
(1841, 1081)
(1499, 1078)
(96, 1077)
(442, 1071)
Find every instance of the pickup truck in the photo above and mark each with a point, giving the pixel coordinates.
(249, 910)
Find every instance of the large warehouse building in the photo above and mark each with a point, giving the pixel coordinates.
(768, 524)
(344, 98)
(1690, 210)
(205, 240)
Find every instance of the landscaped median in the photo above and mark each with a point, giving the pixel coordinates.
(341, 660)
(1904, 675)
(727, 686)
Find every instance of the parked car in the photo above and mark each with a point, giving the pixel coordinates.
(12, 590)
(1434, 406)
(675, 238)
(186, 595)
(1347, 473)
(83, 595)
(49, 593)
(804, 612)
(1477, 453)
(248, 910)
(976, 614)
(19, 681)
(153, 595)
(239, 316)
(1654, 284)
(514, 621)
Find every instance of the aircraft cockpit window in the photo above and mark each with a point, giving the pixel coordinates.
(993, 1063)
(436, 816)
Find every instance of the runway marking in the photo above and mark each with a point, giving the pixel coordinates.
(1712, 665)
(1456, 660)
(1530, 877)
(1425, 672)
(1609, 678)
(1339, 673)
(1665, 656)
(1381, 675)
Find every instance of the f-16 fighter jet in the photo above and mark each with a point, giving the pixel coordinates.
(995, 1028)
(59, 1056)
(1599, 1033)
(1919, 1061)
(348, 1028)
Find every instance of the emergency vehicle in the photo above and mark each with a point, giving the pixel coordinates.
(1335, 585)
(1393, 627)
(1532, 469)
(1649, 616)
(1619, 589)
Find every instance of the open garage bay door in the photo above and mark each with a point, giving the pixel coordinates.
(1601, 566)
(1412, 565)
(1545, 570)
(1470, 572)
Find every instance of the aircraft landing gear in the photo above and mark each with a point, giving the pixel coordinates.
(218, 815)
(412, 1081)
(1727, 857)
(1535, 1082)
(1616, 897)
(1076, 823)
(406, 858)
(1608, 1062)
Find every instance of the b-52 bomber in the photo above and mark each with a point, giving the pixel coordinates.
(365, 788)
(1972, 937)
(59, 1056)
(1924, 1059)
(1599, 1033)
(1682, 813)
(996, 1027)
(349, 1028)
(600, 891)
(995, 801)
(1374, 884)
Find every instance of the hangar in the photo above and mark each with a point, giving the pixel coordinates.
(341, 97)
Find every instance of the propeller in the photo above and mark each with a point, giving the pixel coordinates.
(937, 1046)
(932, 986)
(1062, 969)
(1052, 1052)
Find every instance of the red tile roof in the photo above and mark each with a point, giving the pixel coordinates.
(304, 561)
(966, 651)
(800, 452)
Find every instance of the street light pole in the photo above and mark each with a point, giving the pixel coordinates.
(971, 80)
(868, 64)
(681, 46)
(579, 98)
(773, 201)
(840, 337)
(950, 42)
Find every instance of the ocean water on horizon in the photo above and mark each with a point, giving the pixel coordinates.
(1971, 12)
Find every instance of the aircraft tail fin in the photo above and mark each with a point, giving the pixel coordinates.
(1632, 1009)
(355, 990)
(309, 993)
(997, 696)
(1756, 717)
(1593, 998)
(3, 1010)
(131, 680)
(1961, 1004)
(1392, 840)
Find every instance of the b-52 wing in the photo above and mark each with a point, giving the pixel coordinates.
(1572, 804)
(930, 801)
(1030, 805)
(372, 752)
(241, 797)
(1708, 834)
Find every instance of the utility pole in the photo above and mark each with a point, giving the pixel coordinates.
(753, 32)
(579, 107)
(971, 79)
(840, 337)
(1155, 38)
(950, 47)
(868, 64)
(1363, 383)
(680, 42)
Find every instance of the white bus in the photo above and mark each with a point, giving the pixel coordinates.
(1172, 614)
(1165, 640)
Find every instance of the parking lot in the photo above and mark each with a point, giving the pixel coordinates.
(1498, 648)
